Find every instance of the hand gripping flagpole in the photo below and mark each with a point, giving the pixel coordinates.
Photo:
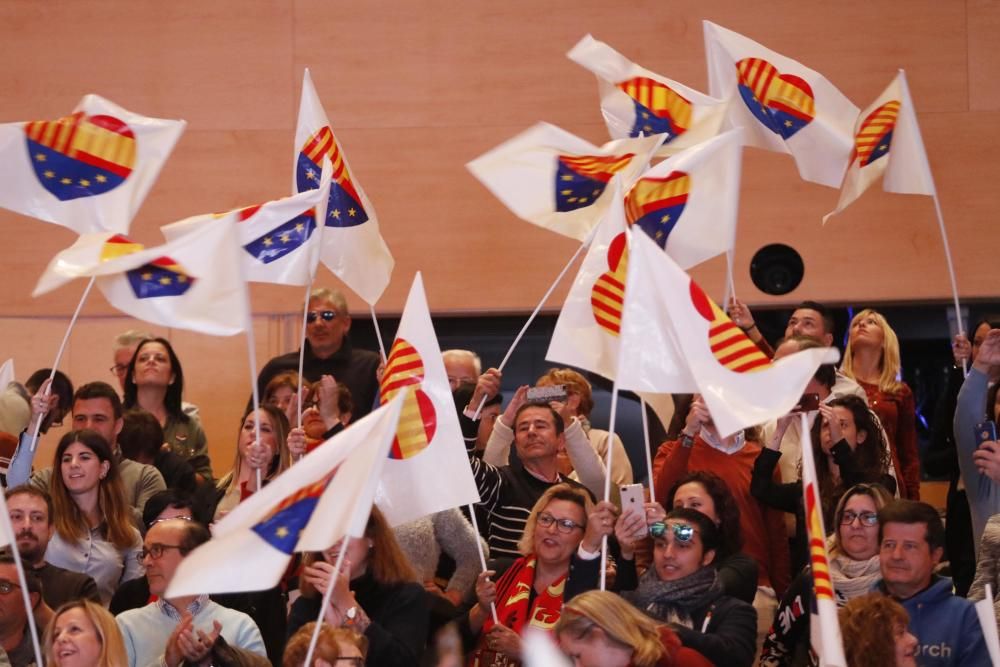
(482, 555)
(534, 314)
(327, 595)
(951, 274)
(59, 354)
(607, 478)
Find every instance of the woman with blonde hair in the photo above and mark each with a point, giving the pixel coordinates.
(271, 456)
(93, 533)
(871, 358)
(376, 594)
(84, 634)
(863, 625)
(600, 629)
(335, 646)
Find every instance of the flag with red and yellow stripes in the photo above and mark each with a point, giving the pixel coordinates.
(88, 171)
(428, 446)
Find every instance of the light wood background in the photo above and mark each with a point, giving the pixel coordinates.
(416, 89)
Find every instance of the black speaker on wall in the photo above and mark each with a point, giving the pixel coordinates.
(776, 269)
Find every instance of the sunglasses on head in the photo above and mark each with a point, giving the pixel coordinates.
(682, 532)
(327, 315)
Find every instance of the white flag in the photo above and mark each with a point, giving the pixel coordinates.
(353, 248)
(335, 483)
(89, 171)
(428, 469)
(637, 102)
(556, 180)
(783, 105)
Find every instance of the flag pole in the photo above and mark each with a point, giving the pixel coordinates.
(302, 348)
(607, 478)
(59, 354)
(531, 318)
(378, 334)
(251, 349)
(649, 455)
(22, 580)
(327, 594)
(482, 555)
(730, 283)
(951, 272)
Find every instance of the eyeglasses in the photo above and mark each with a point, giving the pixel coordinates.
(327, 315)
(562, 525)
(867, 518)
(155, 551)
(118, 370)
(7, 587)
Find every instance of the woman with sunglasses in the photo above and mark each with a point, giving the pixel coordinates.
(94, 533)
(854, 569)
(154, 382)
(683, 587)
(531, 590)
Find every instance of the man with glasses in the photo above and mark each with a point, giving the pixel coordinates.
(15, 636)
(30, 512)
(911, 538)
(328, 351)
(190, 628)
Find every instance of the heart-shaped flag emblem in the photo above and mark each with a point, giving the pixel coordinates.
(607, 297)
(784, 103)
(656, 204)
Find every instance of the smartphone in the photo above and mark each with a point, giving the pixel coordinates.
(633, 497)
(556, 392)
(985, 431)
(808, 403)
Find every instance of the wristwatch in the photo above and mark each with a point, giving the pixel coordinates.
(686, 440)
(350, 617)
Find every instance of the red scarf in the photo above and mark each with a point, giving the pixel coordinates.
(513, 593)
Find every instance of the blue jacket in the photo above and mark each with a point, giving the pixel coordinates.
(983, 492)
(946, 626)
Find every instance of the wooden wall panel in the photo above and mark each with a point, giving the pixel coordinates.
(984, 56)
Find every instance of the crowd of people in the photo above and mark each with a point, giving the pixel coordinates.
(715, 570)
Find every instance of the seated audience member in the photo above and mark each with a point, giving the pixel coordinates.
(863, 624)
(600, 629)
(854, 570)
(872, 359)
(509, 492)
(15, 413)
(15, 633)
(45, 410)
(154, 381)
(94, 532)
(141, 440)
(912, 541)
(328, 409)
(83, 634)
(575, 412)
(185, 629)
(809, 319)
(706, 492)
(31, 519)
(377, 595)
(941, 457)
(988, 567)
(335, 646)
(123, 349)
(847, 449)
(682, 587)
(271, 456)
(461, 366)
(283, 393)
(329, 351)
(732, 459)
(530, 592)
(96, 406)
(980, 464)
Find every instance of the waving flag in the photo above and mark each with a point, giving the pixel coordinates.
(353, 248)
(335, 483)
(280, 240)
(89, 171)
(193, 282)
(675, 339)
(783, 105)
(586, 333)
(553, 179)
(825, 627)
(688, 203)
(887, 141)
(428, 446)
(637, 102)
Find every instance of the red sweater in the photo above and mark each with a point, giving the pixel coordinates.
(898, 413)
(764, 535)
